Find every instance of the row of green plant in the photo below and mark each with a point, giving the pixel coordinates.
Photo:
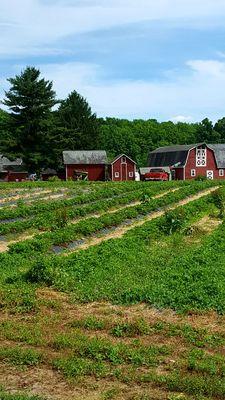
(167, 272)
(99, 192)
(42, 243)
(60, 217)
(197, 337)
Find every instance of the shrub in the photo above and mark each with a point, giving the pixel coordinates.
(200, 178)
(41, 272)
(173, 221)
(218, 198)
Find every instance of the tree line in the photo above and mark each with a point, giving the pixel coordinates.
(37, 127)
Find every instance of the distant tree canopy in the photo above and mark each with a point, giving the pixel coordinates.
(34, 130)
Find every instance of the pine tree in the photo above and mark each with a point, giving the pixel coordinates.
(30, 100)
(77, 125)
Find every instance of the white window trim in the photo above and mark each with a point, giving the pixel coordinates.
(131, 174)
(202, 156)
(193, 172)
(221, 172)
(117, 175)
(123, 160)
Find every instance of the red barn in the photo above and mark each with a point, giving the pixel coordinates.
(91, 164)
(12, 170)
(122, 168)
(190, 161)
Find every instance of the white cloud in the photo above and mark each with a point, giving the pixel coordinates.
(182, 97)
(193, 96)
(28, 26)
(182, 118)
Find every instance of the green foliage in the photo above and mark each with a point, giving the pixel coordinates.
(20, 356)
(41, 272)
(129, 329)
(90, 323)
(6, 396)
(200, 178)
(30, 99)
(77, 126)
(218, 198)
(174, 221)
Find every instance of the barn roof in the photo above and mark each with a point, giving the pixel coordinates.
(85, 157)
(121, 155)
(49, 171)
(5, 162)
(219, 151)
(169, 155)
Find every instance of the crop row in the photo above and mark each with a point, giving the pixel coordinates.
(99, 193)
(89, 226)
(53, 220)
(167, 272)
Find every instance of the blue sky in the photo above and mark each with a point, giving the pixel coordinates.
(161, 59)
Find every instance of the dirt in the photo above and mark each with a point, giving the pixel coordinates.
(4, 245)
(24, 196)
(49, 383)
(120, 231)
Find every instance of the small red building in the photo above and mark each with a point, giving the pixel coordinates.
(122, 168)
(12, 171)
(190, 161)
(90, 164)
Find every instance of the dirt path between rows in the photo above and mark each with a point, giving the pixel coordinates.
(119, 232)
(115, 209)
(24, 196)
(4, 245)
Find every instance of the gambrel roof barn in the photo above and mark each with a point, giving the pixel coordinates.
(189, 161)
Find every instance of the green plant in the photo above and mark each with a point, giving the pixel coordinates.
(218, 198)
(174, 221)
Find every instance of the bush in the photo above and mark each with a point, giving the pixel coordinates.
(200, 178)
(218, 198)
(173, 221)
(41, 272)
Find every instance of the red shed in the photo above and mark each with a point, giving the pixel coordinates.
(91, 164)
(12, 170)
(190, 161)
(122, 168)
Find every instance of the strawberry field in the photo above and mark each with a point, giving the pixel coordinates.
(112, 290)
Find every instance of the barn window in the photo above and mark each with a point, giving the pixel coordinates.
(123, 160)
(193, 172)
(200, 157)
(131, 174)
(117, 175)
(221, 172)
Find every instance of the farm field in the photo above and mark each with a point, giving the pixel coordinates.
(112, 290)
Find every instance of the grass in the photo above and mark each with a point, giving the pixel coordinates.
(108, 335)
(19, 396)
(19, 356)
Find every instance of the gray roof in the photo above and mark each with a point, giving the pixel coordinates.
(85, 157)
(5, 162)
(219, 151)
(178, 147)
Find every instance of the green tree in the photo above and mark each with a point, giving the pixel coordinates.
(30, 100)
(77, 125)
(206, 132)
(220, 128)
